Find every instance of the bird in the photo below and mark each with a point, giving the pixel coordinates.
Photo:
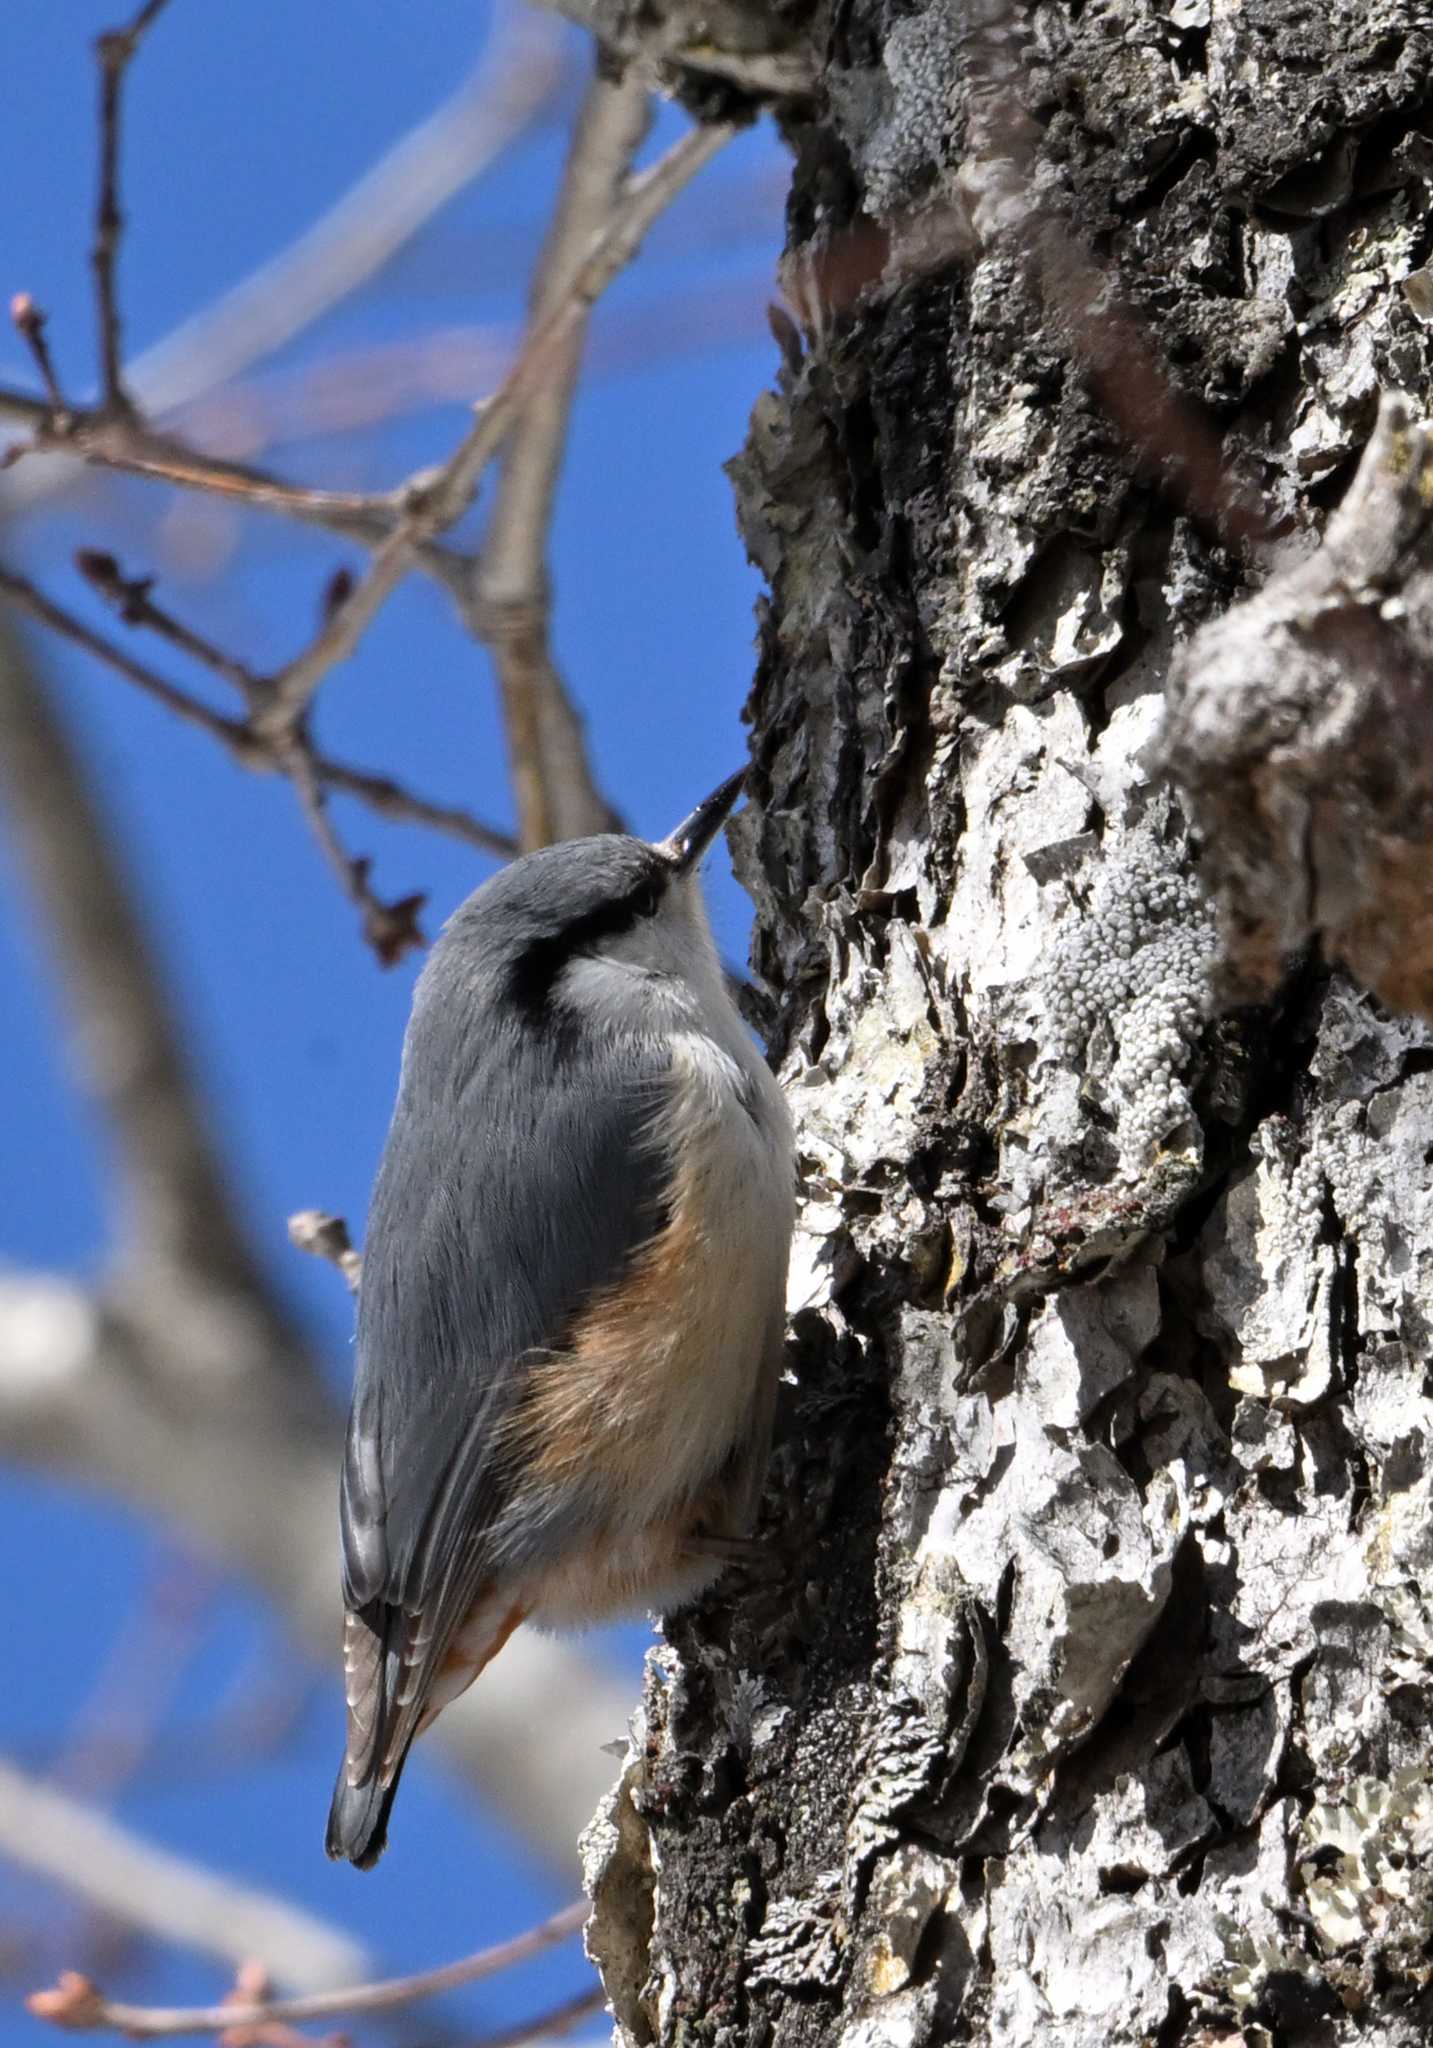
(571, 1310)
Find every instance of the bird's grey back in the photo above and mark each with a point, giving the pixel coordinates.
(519, 1178)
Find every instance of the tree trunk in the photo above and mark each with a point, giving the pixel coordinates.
(1083, 1697)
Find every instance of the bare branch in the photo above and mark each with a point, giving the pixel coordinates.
(553, 784)
(126, 444)
(516, 79)
(77, 2004)
(326, 1237)
(231, 733)
(436, 502)
(380, 792)
(115, 50)
(390, 928)
(165, 1896)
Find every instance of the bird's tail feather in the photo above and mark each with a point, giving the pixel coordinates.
(358, 1818)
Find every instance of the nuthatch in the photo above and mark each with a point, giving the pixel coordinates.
(572, 1307)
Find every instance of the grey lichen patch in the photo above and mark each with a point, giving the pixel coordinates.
(799, 1943)
(1092, 1963)
(900, 114)
(1125, 995)
(1365, 1865)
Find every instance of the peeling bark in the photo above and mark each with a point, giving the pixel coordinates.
(1083, 1696)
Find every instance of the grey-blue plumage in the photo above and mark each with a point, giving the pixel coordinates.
(532, 1171)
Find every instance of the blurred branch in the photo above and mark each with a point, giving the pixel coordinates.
(549, 2026)
(116, 50)
(173, 1206)
(164, 1896)
(184, 1387)
(326, 1237)
(253, 1727)
(136, 1682)
(435, 502)
(510, 594)
(79, 2005)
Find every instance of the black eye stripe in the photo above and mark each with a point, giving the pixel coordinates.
(539, 964)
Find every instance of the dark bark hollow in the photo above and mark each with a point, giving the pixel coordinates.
(1086, 1697)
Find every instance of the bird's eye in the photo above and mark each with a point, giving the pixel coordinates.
(644, 903)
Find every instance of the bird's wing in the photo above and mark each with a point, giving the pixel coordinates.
(505, 1200)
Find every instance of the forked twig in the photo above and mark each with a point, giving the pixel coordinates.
(435, 503)
(379, 792)
(115, 50)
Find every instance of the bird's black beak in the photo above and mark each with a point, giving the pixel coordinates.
(685, 847)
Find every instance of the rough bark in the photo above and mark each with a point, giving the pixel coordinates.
(1084, 1695)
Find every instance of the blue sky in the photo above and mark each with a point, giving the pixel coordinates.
(244, 124)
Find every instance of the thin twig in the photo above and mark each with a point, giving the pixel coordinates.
(435, 503)
(389, 799)
(553, 784)
(130, 597)
(30, 326)
(548, 2026)
(391, 929)
(79, 2005)
(115, 50)
(379, 792)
